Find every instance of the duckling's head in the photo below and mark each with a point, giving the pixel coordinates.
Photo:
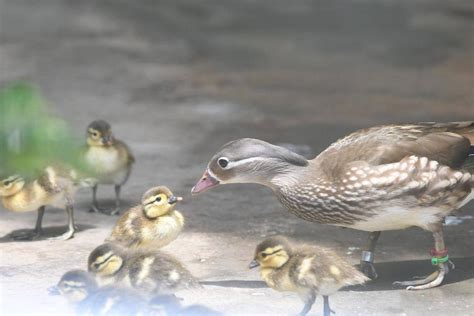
(75, 286)
(99, 133)
(106, 260)
(11, 185)
(247, 160)
(159, 201)
(272, 253)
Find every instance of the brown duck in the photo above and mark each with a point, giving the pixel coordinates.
(381, 178)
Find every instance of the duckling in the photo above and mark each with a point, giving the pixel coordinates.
(308, 271)
(54, 187)
(145, 271)
(108, 159)
(153, 224)
(81, 291)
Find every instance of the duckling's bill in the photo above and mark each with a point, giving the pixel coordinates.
(173, 199)
(206, 182)
(253, 264)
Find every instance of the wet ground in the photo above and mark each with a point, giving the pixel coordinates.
(177, 79)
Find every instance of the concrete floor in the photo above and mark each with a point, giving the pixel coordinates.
(177, 79)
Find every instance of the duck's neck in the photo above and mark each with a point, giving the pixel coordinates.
(293, 176)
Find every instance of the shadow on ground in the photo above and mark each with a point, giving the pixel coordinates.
(48, 232)
(389, 272)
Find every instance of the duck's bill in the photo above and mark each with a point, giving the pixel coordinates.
(205, 183)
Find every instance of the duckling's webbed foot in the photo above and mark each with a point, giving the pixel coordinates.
(95, 208)
(67, 235)
(71, 227)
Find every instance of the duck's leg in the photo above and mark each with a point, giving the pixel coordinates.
(71, 227)
(327, 309)
(37, 232)
(367, 261)
(440, 258)
(309, 300)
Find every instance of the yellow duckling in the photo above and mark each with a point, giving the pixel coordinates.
(153, 224)
(307, 271)
(54, 187)
(109, 160)
(148, 272)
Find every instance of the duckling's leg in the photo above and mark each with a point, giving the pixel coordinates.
(440, 259)
(117, 200)
(327, 308)
(36, 233)
(71, 227)
(309, 300)
(95, 208)
(95, 205)
(367, 261)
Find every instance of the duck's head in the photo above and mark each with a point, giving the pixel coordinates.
(271, 253)
(106, 260)
(75, 286)
(159, 201)
(247, 160)
(99, 133)
(11, 185)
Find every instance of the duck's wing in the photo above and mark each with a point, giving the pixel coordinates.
(447, 143)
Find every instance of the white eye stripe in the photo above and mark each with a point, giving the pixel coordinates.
(233, 164)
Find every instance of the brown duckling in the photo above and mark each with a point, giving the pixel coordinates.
(81, 291)
(108, 159)
(153, 224)
(381, 178)
(55, 187)
(145, 271)
(307, 271)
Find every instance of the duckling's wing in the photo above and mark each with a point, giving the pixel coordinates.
(303, 270)
(127, 230)
(121, 146)
(447, 143)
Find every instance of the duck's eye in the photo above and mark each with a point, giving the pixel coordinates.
(223, 162)
(158, 199)
(264, 255)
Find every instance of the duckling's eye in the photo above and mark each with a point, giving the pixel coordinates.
(264, 255)
(223, 162)
(158, 199)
